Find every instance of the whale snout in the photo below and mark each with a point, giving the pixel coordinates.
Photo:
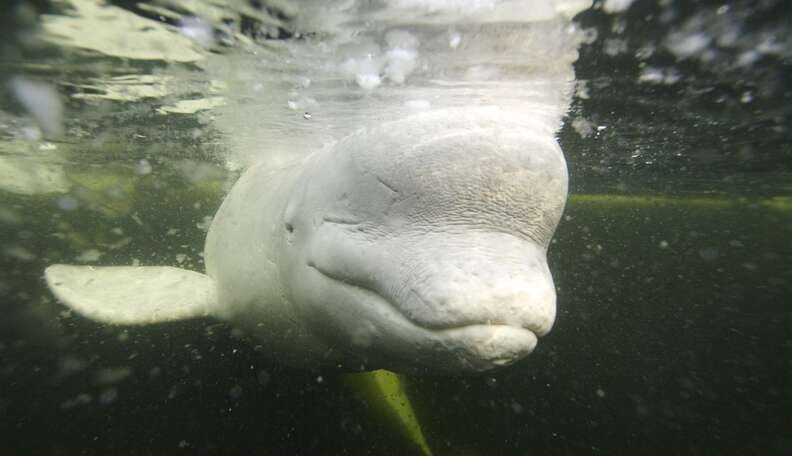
(488, 313)
(484, 347)
(470, 300)
(455, 281)
(485, 299)
(455, 301)
(482, 290)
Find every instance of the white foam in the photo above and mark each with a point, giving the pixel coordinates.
(369, 63)
(368, 81)
(400, 64)
(616, 6)
(685, 45)
(198, 30)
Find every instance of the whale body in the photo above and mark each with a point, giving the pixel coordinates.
(417, 245)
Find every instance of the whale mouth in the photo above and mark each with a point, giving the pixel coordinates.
(481, 345)
(534, 329)
(493, 345)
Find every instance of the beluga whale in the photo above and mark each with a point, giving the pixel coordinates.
(416, 245)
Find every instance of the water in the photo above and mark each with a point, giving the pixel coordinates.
(672, 262)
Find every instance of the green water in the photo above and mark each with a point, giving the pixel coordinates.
(673, 334)
(673, 268)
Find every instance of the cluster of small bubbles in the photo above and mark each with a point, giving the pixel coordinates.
(368, 66)
(205, 223)
(715, 34)
(614, 46)
(688, 45)
(195, 355)
(659, 75)
(616, 6)
(598, 131)
(582, 90)
(645, 51)
(583, 127)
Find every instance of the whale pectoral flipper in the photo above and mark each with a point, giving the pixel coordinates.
(132, 295)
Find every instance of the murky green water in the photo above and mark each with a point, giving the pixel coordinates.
(673, 261)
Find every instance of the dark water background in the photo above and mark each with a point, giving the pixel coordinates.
(674, 333)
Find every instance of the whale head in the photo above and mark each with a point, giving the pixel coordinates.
(420, 244)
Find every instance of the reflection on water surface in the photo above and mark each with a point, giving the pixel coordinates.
(671, 261)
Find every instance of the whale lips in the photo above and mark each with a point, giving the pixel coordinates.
(473, 346)
(484, 347)
(522, 297)
(475, 299)
(454, 280)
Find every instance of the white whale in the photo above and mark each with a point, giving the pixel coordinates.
(416, 246)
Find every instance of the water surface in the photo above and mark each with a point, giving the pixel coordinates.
(672, 261)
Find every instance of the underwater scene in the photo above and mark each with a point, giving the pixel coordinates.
(395, 227)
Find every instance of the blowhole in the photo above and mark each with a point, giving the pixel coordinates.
(289, 227)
